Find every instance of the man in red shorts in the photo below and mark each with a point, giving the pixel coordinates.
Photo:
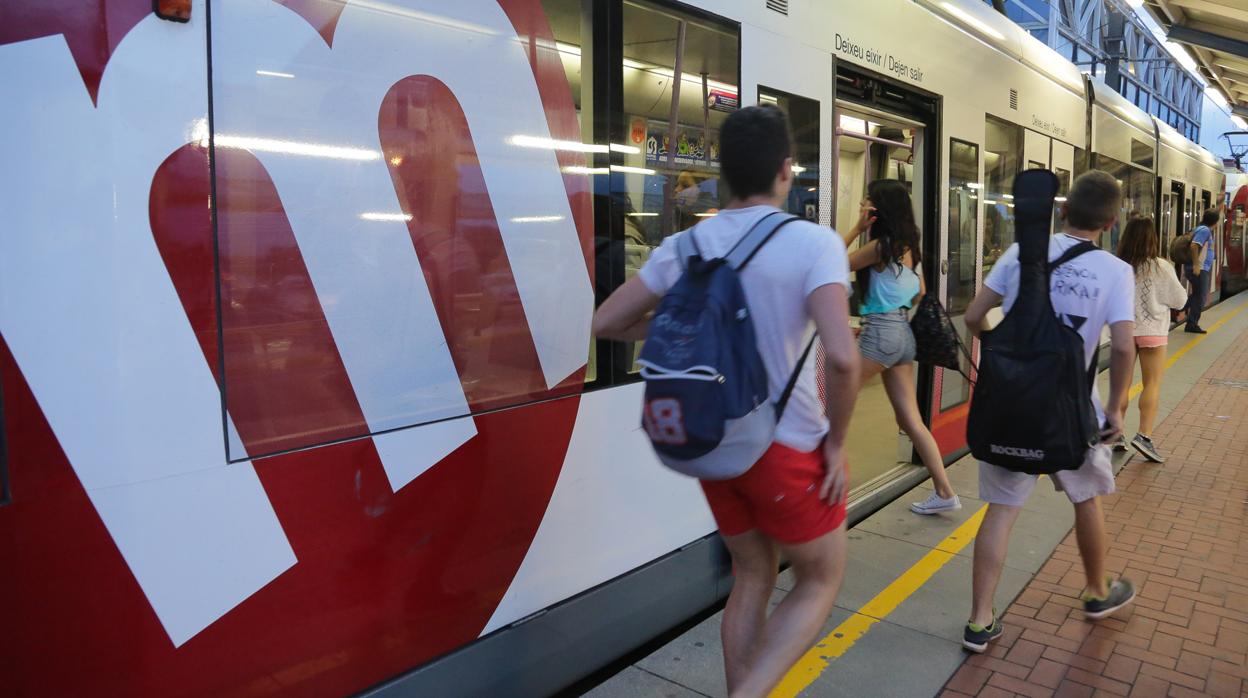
(792, 501)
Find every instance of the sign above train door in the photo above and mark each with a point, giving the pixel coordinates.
(881, 60)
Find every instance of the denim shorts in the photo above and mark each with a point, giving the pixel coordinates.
(886, 338)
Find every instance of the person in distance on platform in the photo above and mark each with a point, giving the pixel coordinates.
(1089, 292)
(1200, 269)
(894, 284)
(792, 501)
(1157, 290)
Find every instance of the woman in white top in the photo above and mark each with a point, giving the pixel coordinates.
(1157, 291)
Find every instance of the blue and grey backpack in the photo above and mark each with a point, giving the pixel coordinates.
(706, 408)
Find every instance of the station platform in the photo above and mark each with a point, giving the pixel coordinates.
(1177, 530)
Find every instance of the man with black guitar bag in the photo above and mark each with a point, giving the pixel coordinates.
(1035, 410)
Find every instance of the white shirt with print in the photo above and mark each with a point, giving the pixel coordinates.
(1089, 292)
(799, 258)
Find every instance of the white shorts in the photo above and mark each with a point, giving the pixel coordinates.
(1095, 478)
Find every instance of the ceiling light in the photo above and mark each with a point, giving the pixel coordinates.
(632, 170)
(552, 144)
(404, 217)
(536, 219)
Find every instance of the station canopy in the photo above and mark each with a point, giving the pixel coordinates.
(1216, 33)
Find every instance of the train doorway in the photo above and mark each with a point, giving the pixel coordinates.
(883, 131)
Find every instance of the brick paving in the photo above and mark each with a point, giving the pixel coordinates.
(1178, 531)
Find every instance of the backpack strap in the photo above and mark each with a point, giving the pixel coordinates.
(686, 247)
(1072, 252)
(757, 236)
(797, 372)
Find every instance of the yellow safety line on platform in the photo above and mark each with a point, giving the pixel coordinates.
(836, 643)
(1139, 387)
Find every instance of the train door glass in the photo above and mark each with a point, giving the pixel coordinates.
(803, 116)
(1137, 196)
(1063, 164)
(871, 146)
(1204, 204)
(666, 177)
(1181, 209)
(1003, 158)
(962, 247)
(1189, 211)
(1167, 222)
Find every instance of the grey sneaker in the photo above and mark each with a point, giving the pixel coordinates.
(1121, 593)
(935, 504)
(976, 638)
(1145, 446)
(1121, 443)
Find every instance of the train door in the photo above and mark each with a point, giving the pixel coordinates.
(960, 267)
(1166, 225)
(882, 132)
(1204, 201)
(1236, 224)
(1181, 210)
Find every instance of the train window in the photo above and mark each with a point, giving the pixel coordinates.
(961, 252)
(1003, 158)
(680, 82)
(672, 180)
(1063, 188)
(1142, 153)
(803, 116)
(1137, 195)
(1081, 161)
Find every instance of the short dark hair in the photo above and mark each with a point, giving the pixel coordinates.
(753, 145)
(1093, 201)
(1210, 218)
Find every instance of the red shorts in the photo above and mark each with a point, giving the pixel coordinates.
(779, 496)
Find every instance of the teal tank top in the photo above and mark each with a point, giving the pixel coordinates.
(891, 289)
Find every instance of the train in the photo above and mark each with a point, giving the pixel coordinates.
(297, 387)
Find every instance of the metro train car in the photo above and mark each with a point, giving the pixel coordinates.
(296, 382)
(1235, 278)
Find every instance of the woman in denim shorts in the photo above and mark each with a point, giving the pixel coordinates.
(890, 286)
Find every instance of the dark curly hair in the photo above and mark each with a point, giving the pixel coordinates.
(895, 228)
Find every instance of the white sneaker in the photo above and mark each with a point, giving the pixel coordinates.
(936, 504)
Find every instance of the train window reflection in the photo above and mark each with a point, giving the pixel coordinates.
(803, 116)
(679, 77)
(962, 247)
(1003, 158)
(1137, 195)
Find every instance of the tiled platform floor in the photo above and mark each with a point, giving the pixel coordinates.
(1179, 531)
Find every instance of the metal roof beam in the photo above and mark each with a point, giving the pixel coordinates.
(1213, 8)
(1209, 40)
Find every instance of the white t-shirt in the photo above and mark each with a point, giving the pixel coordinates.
(1089, 292)
(800, 258)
